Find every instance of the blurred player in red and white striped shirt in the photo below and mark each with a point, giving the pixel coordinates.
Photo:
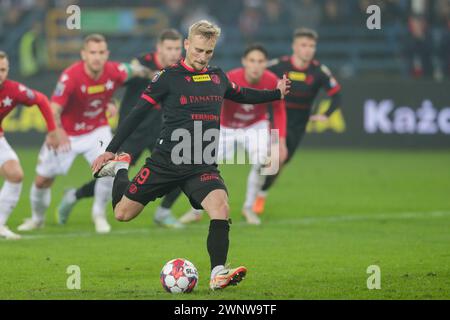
(253, 123)
(13, 93)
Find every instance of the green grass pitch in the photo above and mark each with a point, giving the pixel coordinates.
(332, 214)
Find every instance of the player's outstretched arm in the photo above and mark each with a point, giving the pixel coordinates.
(30, 97)
(126, 128)
(253, 96)
(154, 93)
(52, 139)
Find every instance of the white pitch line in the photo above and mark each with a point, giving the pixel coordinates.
(366, 217)
(299, 221)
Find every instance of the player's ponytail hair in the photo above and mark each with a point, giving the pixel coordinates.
(3, 55)
(205, 29)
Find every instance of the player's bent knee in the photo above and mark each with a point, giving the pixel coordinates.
(12, 171)
(224, 211)
(121, 215)
(220, 210)
(15, 176)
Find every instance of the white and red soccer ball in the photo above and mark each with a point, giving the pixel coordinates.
(179, 276)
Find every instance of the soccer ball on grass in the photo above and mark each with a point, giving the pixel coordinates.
(179, 276)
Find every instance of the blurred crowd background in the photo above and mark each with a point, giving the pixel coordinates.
(414, 40)
(395, 80)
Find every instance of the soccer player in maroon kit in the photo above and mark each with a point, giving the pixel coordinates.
(308, 76)
(79, 103)
(191, 94)
(13, 93)
(248, 126)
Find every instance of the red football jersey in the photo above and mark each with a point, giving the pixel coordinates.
(237, 115)
(84, 100)
(13, 93)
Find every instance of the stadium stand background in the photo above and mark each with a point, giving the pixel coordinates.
(407, 62)
(346, 45)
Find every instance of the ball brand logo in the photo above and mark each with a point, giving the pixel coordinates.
(208, 177)
(190, 271)
(183, 100)
(215, 78)
(133, 189)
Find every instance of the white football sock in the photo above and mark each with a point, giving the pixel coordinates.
(102, 195)
(9, 196)
(262, 193)
(162, 213)
(120, 166)
(40, 201)
(254, 184)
